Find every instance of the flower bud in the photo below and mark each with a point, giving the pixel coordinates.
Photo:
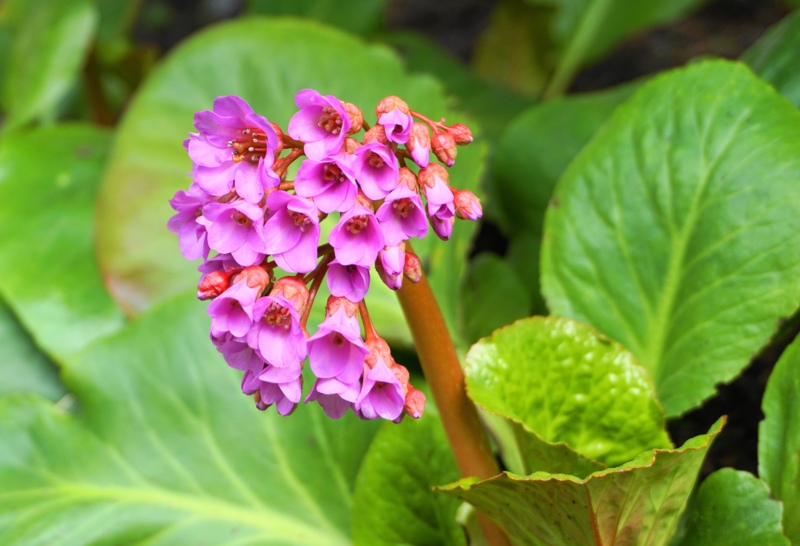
(293, 290)
(468, 206)
(376, 134)
(356, 117)
(350, 145)
(214, 284)
(461, 134)
(378, 351)
(335, 303)
(444, 148)
(401, 373)
(427, 176)
(419, 144)
(412, 268)
(408, 178)
(255, 276)
(415, 403)
(390, 104)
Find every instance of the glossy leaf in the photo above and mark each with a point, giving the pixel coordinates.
(675, 230)
(779, 437)
(637, 503)
(166, 450)
(50, 278)
(774, 57)
(492, 296)
(266, 62)
(361, 16)
(46, 57)
(23, 368)
(393, 496)
(566, 383)
(734, 508)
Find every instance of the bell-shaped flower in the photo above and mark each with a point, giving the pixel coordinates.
(393, 115)
(336, 349)
(348, 281)
(381, 394)
(376, 169)
(232, 311)
(401, 216)
(321, 124)
(235, 228)
(191, 235)
(331, 183)
(334, 396)
(276, 333)
(357, 237)
(291, 233)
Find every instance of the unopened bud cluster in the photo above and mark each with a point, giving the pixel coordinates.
(258, 235)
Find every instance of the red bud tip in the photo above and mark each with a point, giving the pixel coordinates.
(412, 268)
(214, 284)
(390, 104)
(335, 303)
(293, 290)
(376, 134)
(427, 176)
(444, 148)
(356, 117)
(415, 403)
(461, 134)
(408, 178)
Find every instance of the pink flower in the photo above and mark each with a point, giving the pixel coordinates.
(357, 238)
(390, 264)
(232, 311)
(291, 233)
(191, 235)
(322, 124)
(276, 333)
(334, 396)
(381, 394)
(336, 349)
(401, 216)
(441, 210)
(348, 281)
(330, 183)
(237, 353)
(235, 228)
(284, 393)
(376, 169)
(393, 115)
(234, 149)
(419, 144)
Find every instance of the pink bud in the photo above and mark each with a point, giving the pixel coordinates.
(255, 276)
(461, 134)
(444, 148)
(419, 144)
(415, 403)
(408, 178)
(427, 176)
(390, 104)
(378, 352)
(468, 206)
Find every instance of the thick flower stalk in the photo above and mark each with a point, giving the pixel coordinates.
(259, 236)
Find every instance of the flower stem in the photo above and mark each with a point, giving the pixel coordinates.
(442, 369)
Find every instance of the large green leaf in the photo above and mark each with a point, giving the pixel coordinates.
(23, 368)
(48, 179)
(266, 62)
(675, 231)
(774, 57)
(587, 29)
(779, 437)
(46, 57)
(565, 383)
(168, 451)
(637, 503)
(733, 508)
(393, 496)
(362, 16)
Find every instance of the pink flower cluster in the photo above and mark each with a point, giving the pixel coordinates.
(268, 261)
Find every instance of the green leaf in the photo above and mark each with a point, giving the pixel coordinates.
(566, 383)
(774, 57)
(779, 437)
(23, 368)
(166, 450)
(492, 296)
(266, 62)
(675, 230)
(537, 147)
(393, 496)
(636, 503)
(48, 179)
(733, 508)
(587, 29)
(46, 58)
(360, 16)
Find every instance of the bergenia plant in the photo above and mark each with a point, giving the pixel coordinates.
(580, 330)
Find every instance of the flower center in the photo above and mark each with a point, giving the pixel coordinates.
(330, 120)
(278, 316)
(403, 206)
(331, 172)
(375, 160)
(338, 340)
(249, 145)
(241, 219)
(356, 224)
(300, 220)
